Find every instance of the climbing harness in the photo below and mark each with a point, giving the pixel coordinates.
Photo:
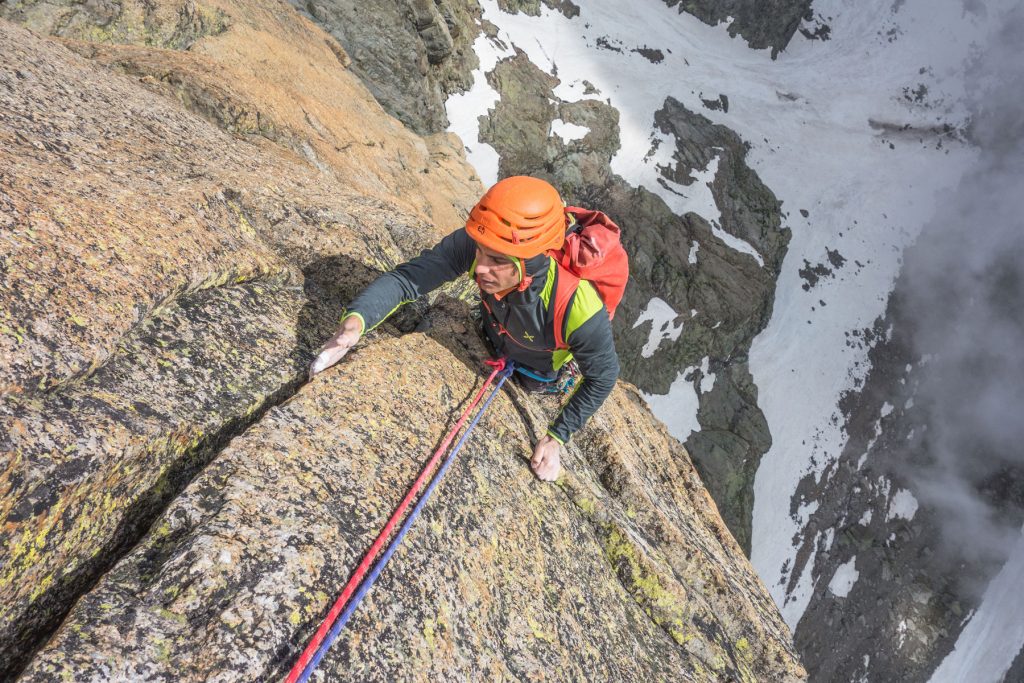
(562, 384)
(568, 379)
(342, 609)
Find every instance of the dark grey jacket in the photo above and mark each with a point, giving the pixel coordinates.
(520, 325)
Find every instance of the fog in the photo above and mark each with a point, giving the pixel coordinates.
(963, 286)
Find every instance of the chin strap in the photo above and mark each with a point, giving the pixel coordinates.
(524, 279)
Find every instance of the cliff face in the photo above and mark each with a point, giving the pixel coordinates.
(188, 196)
(311, 130)
(411, 55)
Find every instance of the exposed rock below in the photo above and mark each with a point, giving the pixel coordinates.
(1016, 672)
(411, 54)
(899, 592)
(532, 7)
(502, 576)
(728, 447)
(722, 296)
(762, 23)
(749, 210)
(915, 582)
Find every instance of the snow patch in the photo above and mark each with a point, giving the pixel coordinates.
(830, 537)
(844, 578)
(568, 131)
(707, 381)
(903, 504)
(803, 514)
(661, 316)
(464, 109)
(695, 197)
(878, 433)
(797, 599)
(678, 408)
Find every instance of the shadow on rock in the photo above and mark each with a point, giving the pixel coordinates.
(332, 282)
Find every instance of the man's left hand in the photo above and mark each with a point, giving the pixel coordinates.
(546, 461)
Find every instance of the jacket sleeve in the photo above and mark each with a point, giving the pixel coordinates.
(445, 261)
(594, 350)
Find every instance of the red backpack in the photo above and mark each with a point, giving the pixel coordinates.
(592, 252)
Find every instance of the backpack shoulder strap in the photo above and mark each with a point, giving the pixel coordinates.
(576, 300)
(565, 287)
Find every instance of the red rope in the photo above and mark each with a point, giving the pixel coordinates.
(364, 566)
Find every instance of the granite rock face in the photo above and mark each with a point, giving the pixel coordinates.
(411, 54)
(305, 100)
(502, 576)
(182, 230)
(115, 174)
(117, 228)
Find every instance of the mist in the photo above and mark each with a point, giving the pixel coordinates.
(963, 287)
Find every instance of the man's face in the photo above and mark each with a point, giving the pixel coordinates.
(494, 271)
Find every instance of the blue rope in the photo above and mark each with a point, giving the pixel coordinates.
(523, 371)
(372, 578)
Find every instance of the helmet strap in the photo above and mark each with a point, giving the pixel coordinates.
(524, 279)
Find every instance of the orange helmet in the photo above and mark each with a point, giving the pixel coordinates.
(519, 216)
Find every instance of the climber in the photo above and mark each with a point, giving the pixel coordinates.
(506, 247)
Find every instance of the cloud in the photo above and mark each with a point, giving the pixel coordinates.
(964, 292)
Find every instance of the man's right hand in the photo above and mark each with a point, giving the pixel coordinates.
(338, 345)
